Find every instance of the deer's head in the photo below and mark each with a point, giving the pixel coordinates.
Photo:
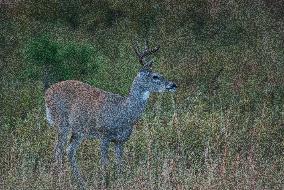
(147, 79)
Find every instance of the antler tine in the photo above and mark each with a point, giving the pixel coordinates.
(155, 49)
(146, 52)
(150, 51)
(135, 47)
(146, 45)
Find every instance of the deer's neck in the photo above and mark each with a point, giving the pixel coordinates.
(136, 101)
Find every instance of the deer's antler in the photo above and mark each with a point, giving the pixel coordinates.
(146, 52)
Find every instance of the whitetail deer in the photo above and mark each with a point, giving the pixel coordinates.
(87, 112)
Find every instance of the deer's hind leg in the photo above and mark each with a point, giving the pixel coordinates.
(58, 115)
(75, 141)
(62, 138)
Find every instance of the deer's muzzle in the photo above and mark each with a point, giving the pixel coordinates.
(171, 87)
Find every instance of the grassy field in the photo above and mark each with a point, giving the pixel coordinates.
(222, 129)
(224, 149)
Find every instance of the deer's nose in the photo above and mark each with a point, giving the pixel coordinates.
(171, 86)
(174, 85)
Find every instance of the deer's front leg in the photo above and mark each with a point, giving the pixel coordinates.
(104, 160)
(119, 155)
(104, 152)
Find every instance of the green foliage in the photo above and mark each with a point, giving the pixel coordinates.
(42, 50)
(65, 60)
(76, 61)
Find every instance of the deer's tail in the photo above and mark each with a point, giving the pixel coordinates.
(49, 116)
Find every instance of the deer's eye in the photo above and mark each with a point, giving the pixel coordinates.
(155, 77)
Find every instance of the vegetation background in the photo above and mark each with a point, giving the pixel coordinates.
(223, 129)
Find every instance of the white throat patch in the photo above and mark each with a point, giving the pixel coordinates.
(146, 95)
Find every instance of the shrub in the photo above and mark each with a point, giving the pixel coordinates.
(51, 60)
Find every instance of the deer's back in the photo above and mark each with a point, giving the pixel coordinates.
(64, 97)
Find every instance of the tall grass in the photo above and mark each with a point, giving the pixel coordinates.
(221, 149)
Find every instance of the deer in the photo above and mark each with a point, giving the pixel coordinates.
(88, 112)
